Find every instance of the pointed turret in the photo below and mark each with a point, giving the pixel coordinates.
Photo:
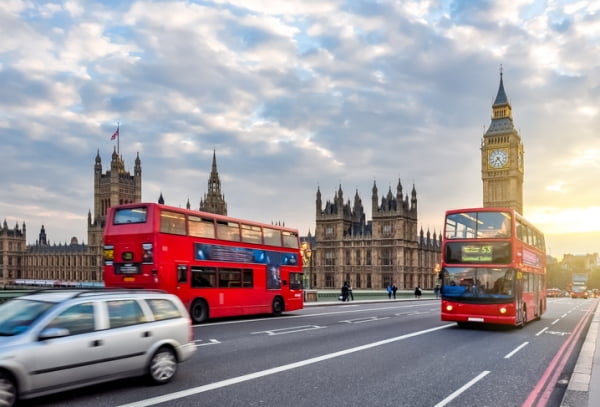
(214, 200)
(413, 199)
(319, 202)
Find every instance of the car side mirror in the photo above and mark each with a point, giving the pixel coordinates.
(50, 333)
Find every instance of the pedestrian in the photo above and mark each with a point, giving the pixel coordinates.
(436, 290)
(350, 295)
(394, 289)
(345, 291)
(417, 292)
(389, 291)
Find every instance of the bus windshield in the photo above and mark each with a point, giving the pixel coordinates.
(478, 284)
(478, 225)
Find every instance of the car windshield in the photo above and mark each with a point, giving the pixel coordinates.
(478, 284)
(16, 316)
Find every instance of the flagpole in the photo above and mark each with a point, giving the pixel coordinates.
(118, 138)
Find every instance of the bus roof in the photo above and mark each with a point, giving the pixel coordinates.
(204, 214)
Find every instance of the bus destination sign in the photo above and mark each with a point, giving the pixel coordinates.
(477, 253)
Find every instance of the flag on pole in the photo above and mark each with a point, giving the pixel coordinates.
(115, 134)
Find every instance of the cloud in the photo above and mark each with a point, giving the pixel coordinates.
(295, 95)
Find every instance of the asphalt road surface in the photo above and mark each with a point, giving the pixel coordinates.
(360, 354)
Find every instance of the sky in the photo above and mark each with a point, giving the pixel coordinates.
(297, 95)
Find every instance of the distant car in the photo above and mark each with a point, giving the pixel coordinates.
(554, 292)
(578, 292)
(55, 340)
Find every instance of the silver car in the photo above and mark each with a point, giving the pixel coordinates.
(52, 341)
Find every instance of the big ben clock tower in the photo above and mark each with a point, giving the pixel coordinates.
(502, 158)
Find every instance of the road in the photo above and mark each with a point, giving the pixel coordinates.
(384, 354)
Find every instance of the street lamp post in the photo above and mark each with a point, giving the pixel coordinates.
(306, 253)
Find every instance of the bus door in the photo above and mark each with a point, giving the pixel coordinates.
(538, 288)
(182, 280)
(520, 301)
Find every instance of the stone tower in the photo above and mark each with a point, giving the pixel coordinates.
(502, 151)
(117, 186)
(214, 201)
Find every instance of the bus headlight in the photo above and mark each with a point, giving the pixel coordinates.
(109, 254)
(449, 308)
(503, 310)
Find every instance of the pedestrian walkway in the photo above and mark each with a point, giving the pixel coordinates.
(584, 386)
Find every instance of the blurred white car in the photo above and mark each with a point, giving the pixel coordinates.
(51, 341)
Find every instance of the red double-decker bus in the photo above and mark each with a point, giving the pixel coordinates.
(493, 268)
(219, 266)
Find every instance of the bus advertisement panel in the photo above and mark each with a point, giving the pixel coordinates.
(493, 268)
(219, 266)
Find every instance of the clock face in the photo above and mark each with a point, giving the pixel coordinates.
(498, 158)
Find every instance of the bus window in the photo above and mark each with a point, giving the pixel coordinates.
(520, 228)
(296, 281)
(290, 240)
(228, 231)
(493, 225)
(130, 215)
(247, 280)
(230, 277)
(251, 234)
(461, 225)
(200, 227)
(172, 222)
(272, 237)
(204, 277)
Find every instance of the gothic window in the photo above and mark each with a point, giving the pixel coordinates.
(329, 258)
(329, 232)
(386, 256)
(368, 260)
(347, 255)
(387, 229)
(329, 282)
(358, 257)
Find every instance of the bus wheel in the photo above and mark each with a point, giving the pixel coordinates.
(199, 311)
(277, 305)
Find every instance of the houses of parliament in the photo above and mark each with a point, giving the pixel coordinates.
(370, 254)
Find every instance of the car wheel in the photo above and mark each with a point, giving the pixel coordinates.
(8, 390)
(199, 311)
(163, 366)
(277, 306)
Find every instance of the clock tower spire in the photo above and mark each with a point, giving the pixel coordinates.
(502, 157)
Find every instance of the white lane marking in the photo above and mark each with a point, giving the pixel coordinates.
(518, 348)
(462, 389)
(283, 331)
(210, 342)
(287, 316)
(234, 380)
(361, 320)
(542, 331)
(555, 321)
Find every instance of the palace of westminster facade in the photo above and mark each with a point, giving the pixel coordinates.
(346, 247)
